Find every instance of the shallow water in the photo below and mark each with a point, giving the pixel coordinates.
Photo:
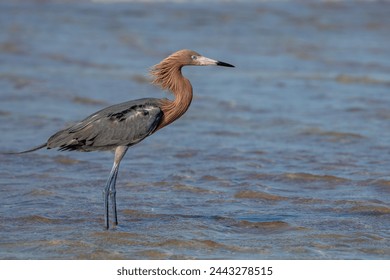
(283, 157)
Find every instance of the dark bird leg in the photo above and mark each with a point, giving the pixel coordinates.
(109, 189)
(113, 197)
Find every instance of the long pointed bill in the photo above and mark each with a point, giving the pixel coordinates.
(208, 61)
(220, 63)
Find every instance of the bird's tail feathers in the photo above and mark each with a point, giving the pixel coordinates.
(27, 151)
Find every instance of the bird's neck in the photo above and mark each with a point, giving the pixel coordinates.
(181, 89)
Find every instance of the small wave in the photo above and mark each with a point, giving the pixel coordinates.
(259, 195)
(186, 154)
(307, 177)
(88, 101)
(194, 243)
(40, 192)
(154, 254)
(65, 160)
(38, 219)
(264, 227)
(347, 79)
(192, 189)
(370, 209)
(332, 136)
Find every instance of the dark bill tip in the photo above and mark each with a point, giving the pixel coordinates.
(220, 63)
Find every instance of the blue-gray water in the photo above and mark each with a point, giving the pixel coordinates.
(285, 156)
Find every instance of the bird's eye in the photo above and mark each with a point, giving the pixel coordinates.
(194, 57)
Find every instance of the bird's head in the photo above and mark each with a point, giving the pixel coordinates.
(189, 57)
(166, 74)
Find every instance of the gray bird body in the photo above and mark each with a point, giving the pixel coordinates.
(123, 124)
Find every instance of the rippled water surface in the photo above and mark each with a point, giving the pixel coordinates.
(285, 156)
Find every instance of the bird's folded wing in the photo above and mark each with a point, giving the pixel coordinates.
(123, 124)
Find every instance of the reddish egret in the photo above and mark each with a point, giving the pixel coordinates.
(123, 125)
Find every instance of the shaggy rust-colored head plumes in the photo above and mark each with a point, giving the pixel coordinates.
(167, 74)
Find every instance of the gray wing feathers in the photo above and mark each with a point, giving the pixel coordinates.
(124, 124)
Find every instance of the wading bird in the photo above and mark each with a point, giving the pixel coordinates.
(121, 126)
